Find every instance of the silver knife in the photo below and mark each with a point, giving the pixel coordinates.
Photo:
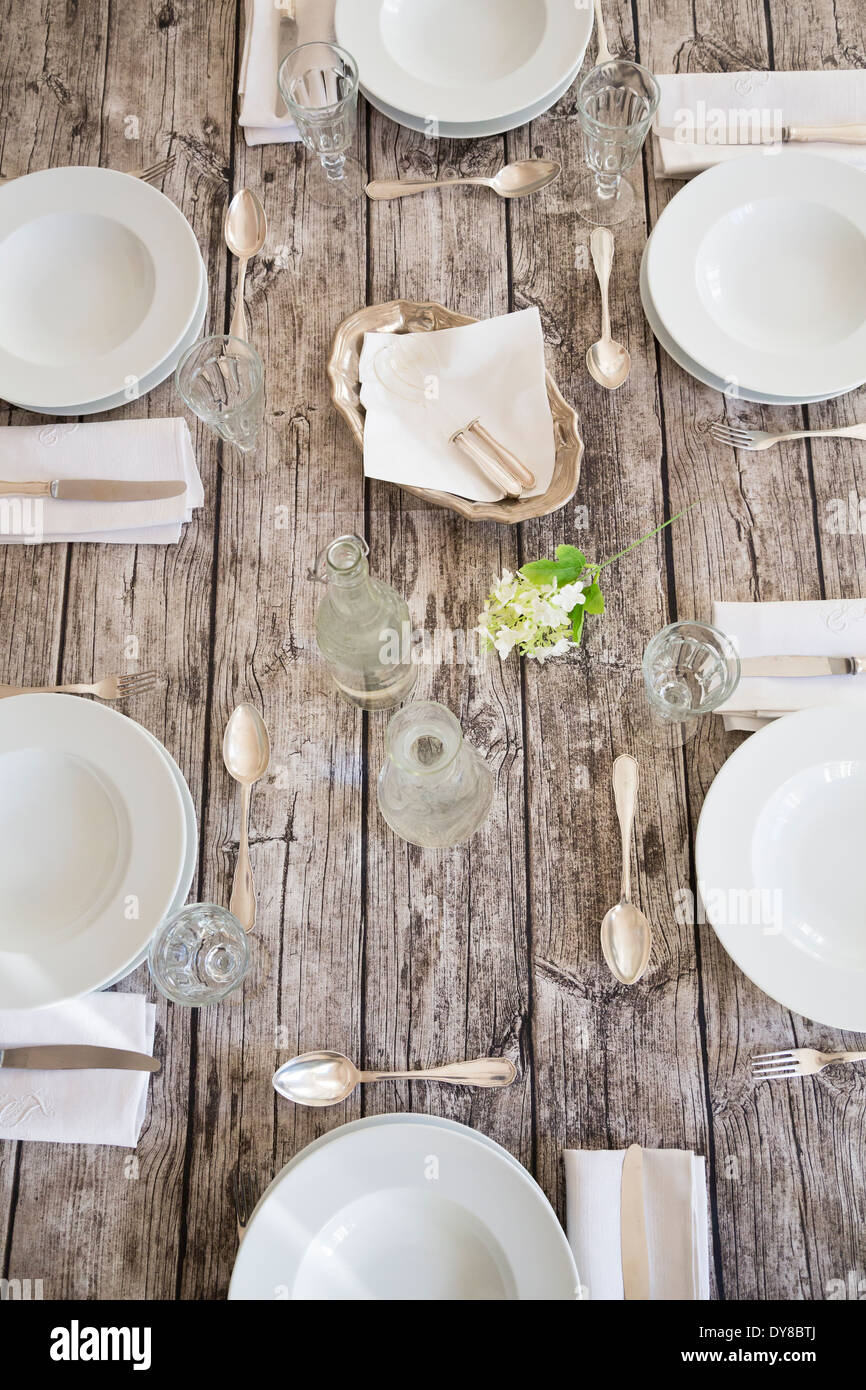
(802, 665)
(65, 1057)
(633, 1243)
(287, 40)
(95, 490)
(746, 135)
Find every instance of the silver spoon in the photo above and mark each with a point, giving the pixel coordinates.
(325, 1078)
(607, 361)
(626, 935)
(246, 754)
(245, 229)
(512, 181)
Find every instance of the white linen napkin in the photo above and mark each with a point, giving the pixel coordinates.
(822, 627)
(128, 450)
(78, 1107)
(786, 98)
(493, 370)
(262, 114)
(675, 1208)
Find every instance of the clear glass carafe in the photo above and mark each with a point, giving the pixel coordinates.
(434, 789)
(363, 628)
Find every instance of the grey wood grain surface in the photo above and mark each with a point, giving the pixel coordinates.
(395, 955)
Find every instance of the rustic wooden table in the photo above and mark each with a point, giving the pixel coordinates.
(395, 955)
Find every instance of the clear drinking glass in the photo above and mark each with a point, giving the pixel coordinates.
(319, 84)
(434, 789)
(616, 103)
(222, 380)
(689, 669)
(199, 955)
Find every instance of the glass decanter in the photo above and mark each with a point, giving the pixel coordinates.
(363, 628)
(434, 789)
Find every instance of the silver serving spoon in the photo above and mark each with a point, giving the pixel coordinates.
(246, 754)
(512, 181)
(626, 935)
(607, 361)
(325, 1078)
(245, 229)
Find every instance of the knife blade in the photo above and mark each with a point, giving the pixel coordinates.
(802, 665)
(746, 134)
(66, 1057)
(95, 490)
(287, 40)
(633, 1243)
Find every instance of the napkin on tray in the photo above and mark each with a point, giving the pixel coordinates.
(493, 370)
(789, 98)
(260, 100)
(77, 1107)
(126, 450)
(675, 1207)
(823, 627)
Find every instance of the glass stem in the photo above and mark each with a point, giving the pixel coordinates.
(607, 186)
(333, 166)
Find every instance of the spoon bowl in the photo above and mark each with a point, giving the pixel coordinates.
(608, 363)
(246, 754)
(626, 941)
(524, 176)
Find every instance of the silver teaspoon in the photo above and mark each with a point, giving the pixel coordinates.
(325, 1078)
(245, 230)
(512, 181)
(246, 754)
(607, 361)
(626, 935)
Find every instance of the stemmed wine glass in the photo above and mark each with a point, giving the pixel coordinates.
(319, 84)
(616, 103)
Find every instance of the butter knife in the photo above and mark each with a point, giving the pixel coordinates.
(287, 40)
(784, 135)
(95, 490)
(65, 1057)
(802, 665)
(633, 1243)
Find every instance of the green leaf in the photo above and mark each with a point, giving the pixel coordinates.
(562, 571)
(594, 600)
(571, 554)
(577, 616)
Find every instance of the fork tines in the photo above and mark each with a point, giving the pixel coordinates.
(730, 434)
(136, 683)
(770, 1064)
(156, 171)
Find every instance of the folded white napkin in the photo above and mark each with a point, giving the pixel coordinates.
(823, 627)
(125, 450)
(78, 1107)
(675, 1208)
(492, 370)
(262, 113)
(786, 98)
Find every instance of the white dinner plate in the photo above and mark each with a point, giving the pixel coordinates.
(404, 1211)
(147, 383)
(462, 61)
(779, 862)
(92, 844)
(757, 270)
(100, 275)
(700, 373)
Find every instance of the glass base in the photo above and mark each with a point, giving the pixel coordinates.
(334, 193)
(603, 212)
(644, 727)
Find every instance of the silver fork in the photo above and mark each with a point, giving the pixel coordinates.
(798, 1061)
(245, 1192)
(109, 688)
(151, 173)
(740, 438)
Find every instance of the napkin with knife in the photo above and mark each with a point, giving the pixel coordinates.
(127, 450)
(822, 627)
(493, 370)
(674, 1237)
(711, 101)
(261, 111)
(77, 1107)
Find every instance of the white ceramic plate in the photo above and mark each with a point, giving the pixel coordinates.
(92, 843)
(758, 270)
(100, 275)
(404, 1211)
(780, 862)
(475, 130)
(462, 61)
(187, 873)
(700, 373)
(149, 382)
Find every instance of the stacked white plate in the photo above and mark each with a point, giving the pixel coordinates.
(462, 69)
(102, 289)
(97, 844)
(754, 278)
(404, 1207)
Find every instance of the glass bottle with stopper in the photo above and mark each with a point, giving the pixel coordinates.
(434, 789)
(363, 628)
